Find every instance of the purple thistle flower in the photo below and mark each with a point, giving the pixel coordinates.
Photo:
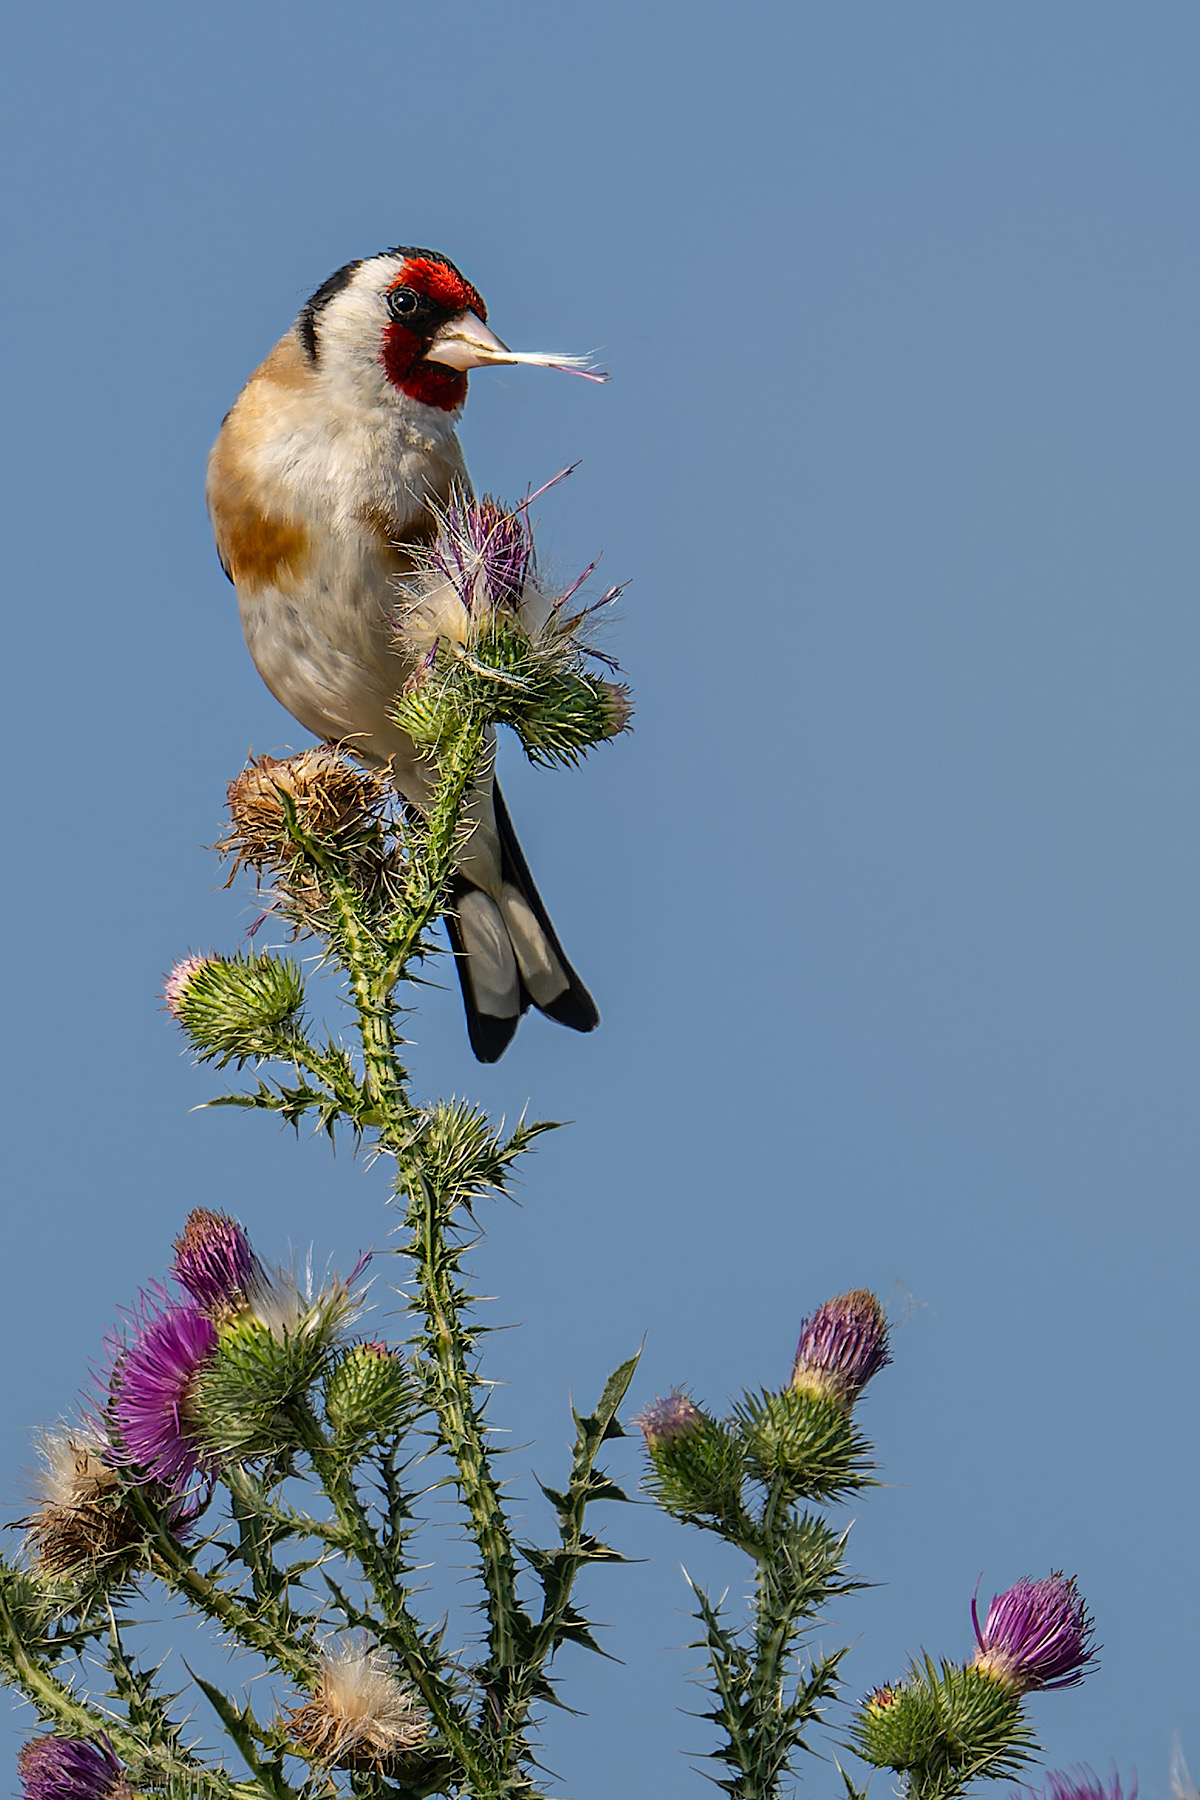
(214, 1261)
(841, 1346)
(150, 1388)
(503, 542)
(54, 1768)
(1083, 1784)
(666, 1421)
(178, 979)
(1036, 1635)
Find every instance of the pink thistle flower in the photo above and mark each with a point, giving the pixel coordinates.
(54, 1768)
(151, 1386)
(178, 979)
(666, 1421)
(214, 1261)
(1037, 1634)
(841, 1346)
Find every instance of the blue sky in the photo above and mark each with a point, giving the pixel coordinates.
(889, 901)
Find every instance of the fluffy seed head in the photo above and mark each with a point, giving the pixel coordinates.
(215, 1262)
(332, 799)
(80, 1523)
(54, 1768)
(841, 1346)
(362, 1715)
(1037, 1634)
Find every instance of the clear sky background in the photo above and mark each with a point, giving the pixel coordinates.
(890, 900)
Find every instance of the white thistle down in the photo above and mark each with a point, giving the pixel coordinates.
(361, 1713)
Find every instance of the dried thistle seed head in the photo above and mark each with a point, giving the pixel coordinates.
(362, 1715)
(81, 1522)
(331, 797)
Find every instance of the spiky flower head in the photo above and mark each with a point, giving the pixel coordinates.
(152, 1390)
(666, 1421)
(329, 797)
(1037, 1634)
(214, 1261)
(81, 1525)
(59, 1768)
(362, 1715)
(492, 637)
(1083, 1784)
(237, 1007)
(841, 1346)
(177, 981)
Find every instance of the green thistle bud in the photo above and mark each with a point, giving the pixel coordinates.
(897, 1728)
(805, 1439)
(367, 1393)
(239, 1007)
(244, 1398)
(696, 1464)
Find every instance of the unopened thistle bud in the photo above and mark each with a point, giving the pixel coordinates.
(695, 1462)
(362, 1715)
(236, 1006)
(897, 1727)
(81, 1527)
(841, 1346)
(215, 1263)
(329, 797)
(1037, 1634)
(60, 1768)
(805, 1439)
(152, 1392)
(366, 1393)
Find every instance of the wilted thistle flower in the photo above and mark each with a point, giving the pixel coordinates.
(152, 1387)
(177, 980)
(81, 1522)
(1083, 1784)
(55, 1768)
(332, 799)
(841, 1346)
(215, 1263)
(1037, 1634)
(664, 1422)
(361, 1715)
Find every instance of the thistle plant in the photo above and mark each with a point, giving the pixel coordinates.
(255, 1450)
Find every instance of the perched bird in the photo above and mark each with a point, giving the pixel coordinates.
(326, 475)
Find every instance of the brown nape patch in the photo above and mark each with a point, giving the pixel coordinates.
(258, 551)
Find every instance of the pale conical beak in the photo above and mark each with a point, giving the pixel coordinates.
(465, 342)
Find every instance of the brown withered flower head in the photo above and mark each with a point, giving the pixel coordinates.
(332, 798)
(81, 1521)
(362, 1715)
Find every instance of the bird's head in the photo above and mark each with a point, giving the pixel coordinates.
(407, 322)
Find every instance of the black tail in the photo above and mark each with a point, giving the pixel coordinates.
(491, 1035)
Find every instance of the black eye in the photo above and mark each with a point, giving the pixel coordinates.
(405, 304)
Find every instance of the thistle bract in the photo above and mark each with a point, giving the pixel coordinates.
(55, 1768)
(841, 1346)
(940, 1722)
(696, 1464)
(152, 1389)
(236, 1007)
(366, 1394)
(805, 1439)
(1037, 1634)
